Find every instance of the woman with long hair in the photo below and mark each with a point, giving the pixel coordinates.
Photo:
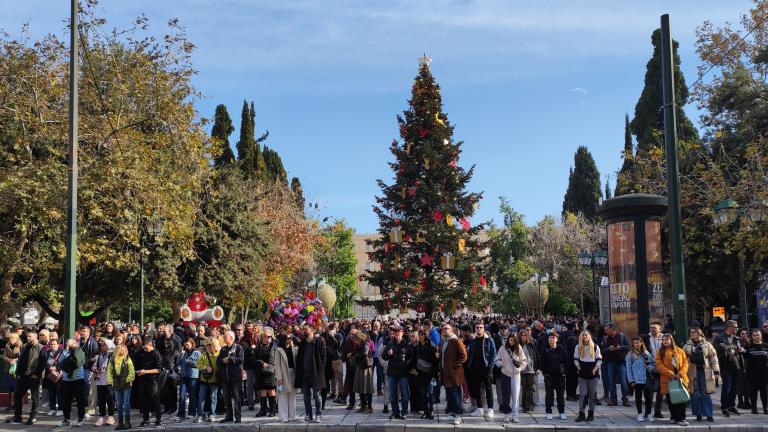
(120, 375)
(672, 364)
(529, 374)
(703, 370)
(512, 361)
(285, 371)
(641, 375)
(588, 361)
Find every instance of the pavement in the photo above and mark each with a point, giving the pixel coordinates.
(337, 419)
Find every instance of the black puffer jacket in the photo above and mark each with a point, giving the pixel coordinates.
(553, 361)
(402, 359)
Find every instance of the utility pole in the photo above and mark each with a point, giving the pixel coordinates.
(70, 266)
(673, 185)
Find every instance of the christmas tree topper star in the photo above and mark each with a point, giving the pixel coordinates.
(424, 60)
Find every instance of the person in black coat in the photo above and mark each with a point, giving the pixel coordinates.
(310, 372)
(32, 362)
(399, 354)
(571, 378)
(264, 358)
(230, 377)
(553, 363)
(426, 373)
(148, 365)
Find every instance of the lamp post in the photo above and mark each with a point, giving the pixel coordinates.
(539, 280)
(728, 212)
(593, 260)
(155, 228)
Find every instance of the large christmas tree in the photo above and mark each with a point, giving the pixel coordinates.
(428, 254)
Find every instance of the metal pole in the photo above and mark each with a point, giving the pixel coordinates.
(70, 265)
(141, 265)
(743, 292)
(673, 186)
(594, 282)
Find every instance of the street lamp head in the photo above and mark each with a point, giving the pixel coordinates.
(758, 211)
(726, 212)
(544, 278)
(585, 259)
(601, 258)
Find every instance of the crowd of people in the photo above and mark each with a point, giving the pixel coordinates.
(209, 374)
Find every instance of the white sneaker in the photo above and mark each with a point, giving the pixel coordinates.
(549, 416)
(59, 413)
(650, 419)
(457, 420)
(489, 413)
(77, 423)
(640, 418)
(318, 418)
(51, 413)
(64, 423)
(478, 412)
(507, 418)
(562, 416)
(515, 420)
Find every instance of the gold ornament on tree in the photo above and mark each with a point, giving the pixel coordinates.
(448, 261)
(462, 245)
(449, 219)
(396, 235)
(426, 162)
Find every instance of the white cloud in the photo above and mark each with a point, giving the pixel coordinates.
(579, 91)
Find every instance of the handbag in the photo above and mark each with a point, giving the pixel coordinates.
(54, 377)
(423, 366)
(678, 394)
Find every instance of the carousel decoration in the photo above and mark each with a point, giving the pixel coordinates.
(201, 308)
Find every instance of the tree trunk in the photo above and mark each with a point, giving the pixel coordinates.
(246, 312)
(175, 308)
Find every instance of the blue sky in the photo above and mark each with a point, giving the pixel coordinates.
(524, 82)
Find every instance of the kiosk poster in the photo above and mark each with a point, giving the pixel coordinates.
(622, 275)
(656, 301)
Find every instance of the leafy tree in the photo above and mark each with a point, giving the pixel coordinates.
(336, 262)
(248, 148)
(222, 129)
(509, 252)
(584, 191)
(428, 205)
(142, 156)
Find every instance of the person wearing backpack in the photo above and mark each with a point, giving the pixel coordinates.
(703, 371)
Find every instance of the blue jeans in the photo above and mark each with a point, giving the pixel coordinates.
(123, 401)
(207, 390)
(701, 403)
(379, 374)
(617, 374)
(453, 400)
(191, 385)
(730, 388)
(400, 383)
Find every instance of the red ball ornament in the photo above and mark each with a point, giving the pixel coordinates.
(423, 132)
(407, 273)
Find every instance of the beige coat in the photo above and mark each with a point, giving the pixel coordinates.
(282, 372)
(711, 365)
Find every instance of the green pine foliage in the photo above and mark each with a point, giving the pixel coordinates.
(625, 177)
(584, 191)
(274, 166)
(222, 129)
(648, 123)
(428, 204)
(298, 192)
(245, 144)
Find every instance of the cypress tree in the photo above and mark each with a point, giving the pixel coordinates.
(584, 191)
(298, 193)
(648, 123)
(259, 166)
(607, 188)
(274, 166)
(245, 143)
(222, 129)
(625, 177)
